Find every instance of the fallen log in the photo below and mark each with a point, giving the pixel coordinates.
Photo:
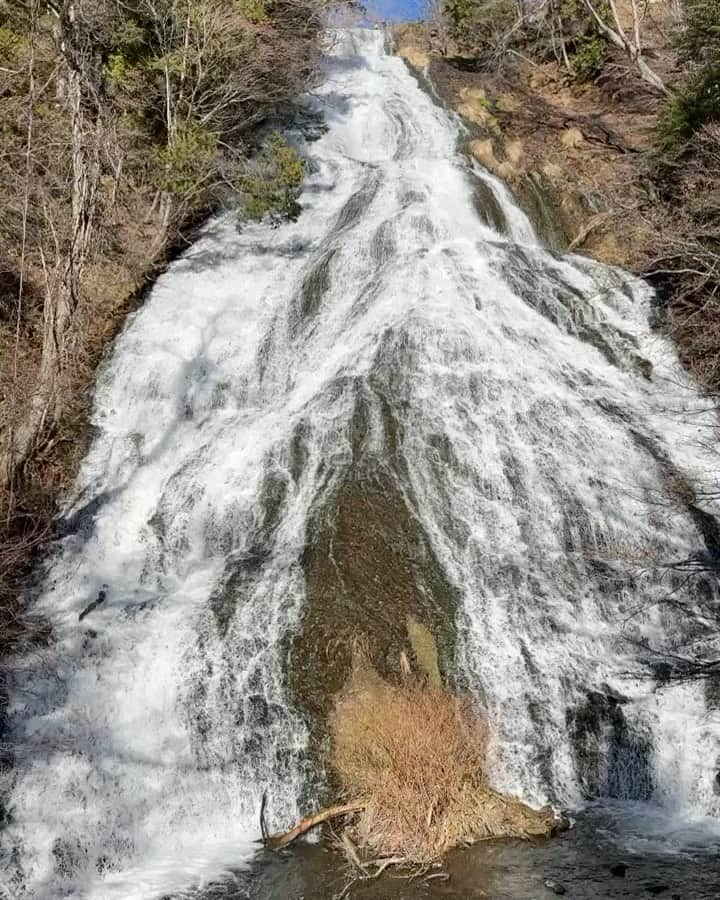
(275, 842)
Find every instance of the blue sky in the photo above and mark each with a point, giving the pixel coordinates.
(394, 10)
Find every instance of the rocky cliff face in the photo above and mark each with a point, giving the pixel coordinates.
(574, 155)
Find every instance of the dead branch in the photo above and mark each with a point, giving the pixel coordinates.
(331, 812)
(632, 46)
(350, 850)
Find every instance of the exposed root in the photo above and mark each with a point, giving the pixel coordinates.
(360, 870)
(351, 850)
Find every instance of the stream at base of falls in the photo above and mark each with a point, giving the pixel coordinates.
(399, 407)
(611, 852)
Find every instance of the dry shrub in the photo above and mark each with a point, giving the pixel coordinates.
(416, 756)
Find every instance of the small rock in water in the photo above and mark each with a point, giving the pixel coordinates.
(98, 601)
(555, 887)
(619, 870)
(656, 889)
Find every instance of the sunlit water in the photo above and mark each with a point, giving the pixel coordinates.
(537, 442)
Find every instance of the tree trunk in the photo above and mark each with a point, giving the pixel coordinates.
(632, 48)
(81, 88)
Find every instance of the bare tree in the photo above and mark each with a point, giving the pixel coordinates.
(631, 44)
(439, 26)
(210, 73)
(79, 85)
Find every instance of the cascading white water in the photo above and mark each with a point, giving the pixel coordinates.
(535, 442)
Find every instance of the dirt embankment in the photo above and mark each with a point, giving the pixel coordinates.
(575, 155)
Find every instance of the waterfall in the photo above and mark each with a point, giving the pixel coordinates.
(540, 433)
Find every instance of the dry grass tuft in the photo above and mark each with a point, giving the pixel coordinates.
(415, 755)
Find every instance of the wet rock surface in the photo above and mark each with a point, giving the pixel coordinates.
(369, 568)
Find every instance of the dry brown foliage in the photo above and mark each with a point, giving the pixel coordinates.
(415, 755)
